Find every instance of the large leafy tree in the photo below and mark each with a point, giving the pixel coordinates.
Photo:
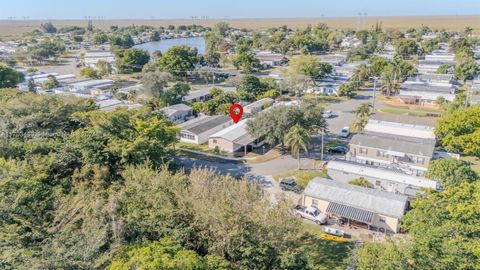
(120, 138)
(451, 172)
(212, 54)
(9, 77)
(250, 87)
(165, 254)
(48, 48)
(309, 66)
(444, 228)
(406, 47)
(245, 60)
(131, 60)
(460, 131)
(175, 94)
(443, 233)
(154, 82)
(275, 123)
(178, 60)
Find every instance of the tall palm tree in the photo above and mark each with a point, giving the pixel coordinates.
(363, 113)
(297, 139)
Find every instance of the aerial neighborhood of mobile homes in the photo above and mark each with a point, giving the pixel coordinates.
(390, 153)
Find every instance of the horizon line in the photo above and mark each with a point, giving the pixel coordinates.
(207, 18)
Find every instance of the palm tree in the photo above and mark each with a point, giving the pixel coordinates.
(362, 113)
(297, 138)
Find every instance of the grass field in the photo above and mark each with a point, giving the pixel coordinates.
(302, 177)
(474, 161)
(456, 23)
(403, 110)
(328, 254)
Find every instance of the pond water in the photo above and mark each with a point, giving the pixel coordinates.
(165, 44)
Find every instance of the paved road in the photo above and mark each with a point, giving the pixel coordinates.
(240, 169)
(344, 112)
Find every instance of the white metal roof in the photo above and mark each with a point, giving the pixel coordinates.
(91, 83)
(377, 201)
(392, 176)
(232, 132)
(401, 129)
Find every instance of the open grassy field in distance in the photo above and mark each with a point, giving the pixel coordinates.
(457, 23)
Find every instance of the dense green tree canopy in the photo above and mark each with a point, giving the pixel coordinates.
(309, 66)
(131, 60)
(175, 94)
(178, 60)
(459, 131)
(9, 77)
(451, 172)
(165, 254)
(245, 60)
(154, 82)
(406, 47)
(48, 48)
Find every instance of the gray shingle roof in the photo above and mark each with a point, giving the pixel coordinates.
(377, 201)
(403, 144)
(200, 125)
(428, 88)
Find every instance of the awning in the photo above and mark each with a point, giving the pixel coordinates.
(350, 212)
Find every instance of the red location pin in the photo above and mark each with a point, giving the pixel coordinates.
(236, 112)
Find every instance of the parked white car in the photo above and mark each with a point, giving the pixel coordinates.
(345, 132)
(310, 213)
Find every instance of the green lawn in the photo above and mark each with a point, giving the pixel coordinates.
(474, 161)
(199, 147)
(302, 177)
(325, 253)
(401, 110)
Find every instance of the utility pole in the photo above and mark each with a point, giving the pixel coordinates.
(321, 153)
(374, 92)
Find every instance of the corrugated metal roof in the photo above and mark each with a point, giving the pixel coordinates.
(372, 172)
(350, 212)
(377, 201)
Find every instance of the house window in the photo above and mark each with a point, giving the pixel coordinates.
(363, 150)
(381, 153)
(314, 202)
(377, 183)
(382, 219)
(214, 141)
(187, 136)
(416, 159)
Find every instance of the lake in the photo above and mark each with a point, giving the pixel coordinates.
(165, 44)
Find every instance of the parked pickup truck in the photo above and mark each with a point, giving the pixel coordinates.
(310, 213)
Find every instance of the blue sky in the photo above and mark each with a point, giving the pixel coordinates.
(168, 9)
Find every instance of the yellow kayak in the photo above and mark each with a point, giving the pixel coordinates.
(333, 237)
